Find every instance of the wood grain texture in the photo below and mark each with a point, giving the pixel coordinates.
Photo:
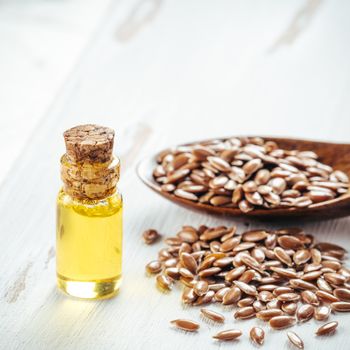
(41, 42)
(298, 24)
(197, 70)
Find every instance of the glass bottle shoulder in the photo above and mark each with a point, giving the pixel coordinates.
(93, 208)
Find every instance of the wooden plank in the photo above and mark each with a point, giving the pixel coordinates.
(41, 42)
(162, 73)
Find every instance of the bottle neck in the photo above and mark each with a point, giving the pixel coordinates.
(89, 180)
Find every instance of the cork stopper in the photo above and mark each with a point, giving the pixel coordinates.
(90, 142)
(88, 169)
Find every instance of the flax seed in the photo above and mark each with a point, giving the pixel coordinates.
(342, 294)
(305, 312)
(231, 296)
(300, 284)
(308, 297)
(209, 272)
(288, 297)
(244, 313)
(205, 299)
(245, 302)
(227, 335)
(246, 288)
(327, 328)
(289, 308)
(341, 306)
(153, 267)
(186, 325)
(266, 315)
(281, 322)
(280, 290)
(189, 262)
(334, 278)
(164, 282)
(311, 276)
(257, 335)
(212, 315)
(282, 255)
(295, 340)
(322, 313)
(265, 273)
(201, 288)
(151, 236)
(284, 272)
(266, 175)
(219, 295)
(322, 284)
(289, 242)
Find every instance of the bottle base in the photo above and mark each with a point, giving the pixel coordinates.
(99, 289)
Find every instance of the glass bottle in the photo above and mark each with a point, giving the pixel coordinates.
(89, 215)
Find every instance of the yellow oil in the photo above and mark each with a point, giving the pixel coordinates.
(89, 246)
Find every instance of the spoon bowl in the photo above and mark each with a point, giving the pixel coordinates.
(334, 154)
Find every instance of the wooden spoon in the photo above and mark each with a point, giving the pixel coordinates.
(333, 154)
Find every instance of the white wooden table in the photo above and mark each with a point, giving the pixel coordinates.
(161, 73)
